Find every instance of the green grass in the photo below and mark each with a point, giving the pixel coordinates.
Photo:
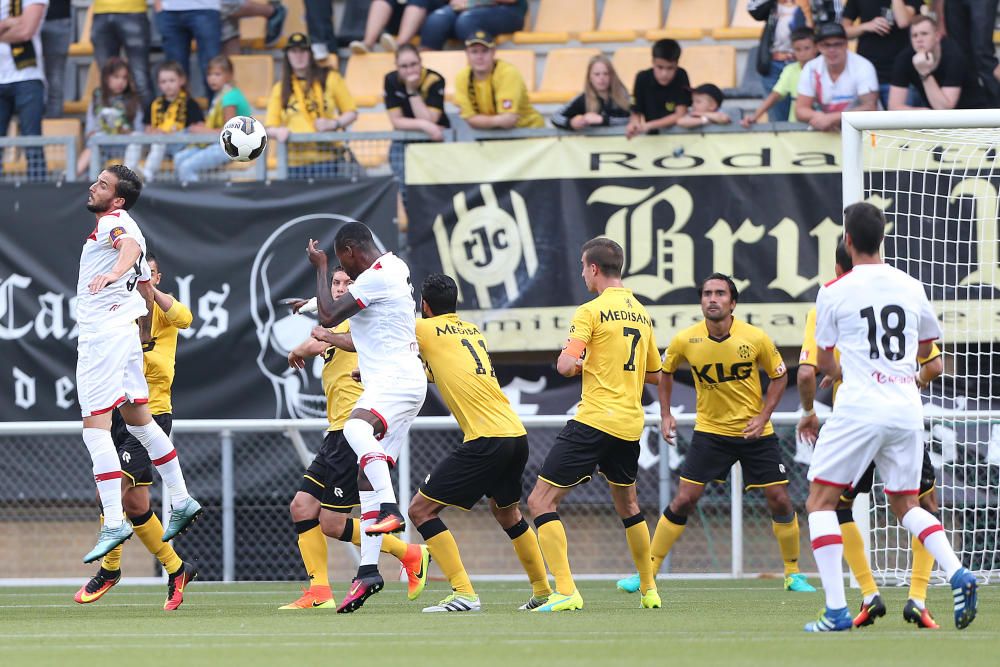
(702, 623)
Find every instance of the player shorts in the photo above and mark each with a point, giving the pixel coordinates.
(710, 457)
(109, 370)
(134, 458)
(579, 448)
(332, 477)
(864, 485)
(846, 447)
(491, 467)
(396, 406)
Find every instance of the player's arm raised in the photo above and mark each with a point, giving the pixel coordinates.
(128, 254)
(329, 311)
(175, 312)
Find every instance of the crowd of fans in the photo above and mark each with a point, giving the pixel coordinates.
(906, 58)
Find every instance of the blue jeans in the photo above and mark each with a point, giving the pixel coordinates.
(444, 23)
(111, 33)
(193, 159)
(883, 94)
(779, 112)
(27, 100)
(204, 26)
(56, 36)
(319, 23)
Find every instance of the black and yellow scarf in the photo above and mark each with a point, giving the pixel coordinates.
(23, 53)
(170, 116)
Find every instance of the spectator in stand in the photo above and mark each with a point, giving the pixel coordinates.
(706, 102)
(231, 11)
(934, 67)
(115, 109)
(319, 25)
(880, 27)
(57, 32)
(837, 81)
(604, 101)
(228, 101)
(783, 18)
(661, 94)
(971, 23)
(311, 98)
(22, 81)
(123, 24)
(826, 11)
(180, 21)
(460, 19)
(403, 17)
(804, 46)
(173, 111)
(490, 93)
(414, 99)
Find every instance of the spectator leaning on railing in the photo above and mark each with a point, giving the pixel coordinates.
(604, 101)
(22, 83)
(705, 109)
(662, 94)
(804, 46)
(123, 24)
(935, 68)
(311, 98)
(775, 51)
(460, 19)
(490, 93)
(837, 81)
(172, 112)
(881, 31)
(388, 15)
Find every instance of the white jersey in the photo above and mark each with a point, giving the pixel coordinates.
(384, 332)
(876, 316)
(119, 302)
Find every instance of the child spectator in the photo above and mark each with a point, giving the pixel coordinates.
(460, 19)
(173, 111)
(787, 87)
(402, 17)
(881, 31)
(491, 93)
(662, 94)
(227, 102)
(311, 98)
(837, 81)
(603, 102)
(114, 109)
(705, 102)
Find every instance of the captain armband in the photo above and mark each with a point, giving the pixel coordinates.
(575, 348)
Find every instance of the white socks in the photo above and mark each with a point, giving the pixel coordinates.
(372, 459)
(163, 455)
(828, 550)
(107, 474)
(928, 530)
(371, 545)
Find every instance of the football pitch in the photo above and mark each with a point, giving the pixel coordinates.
(702, 623)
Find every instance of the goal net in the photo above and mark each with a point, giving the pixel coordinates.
(935, 176)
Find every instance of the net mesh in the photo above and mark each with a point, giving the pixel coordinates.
(939, 191)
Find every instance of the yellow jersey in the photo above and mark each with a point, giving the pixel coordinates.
(726, 376)
(342, 392)
(159, 362)
(304, 108)
(502, 92)
(621, 349)
(457, 360)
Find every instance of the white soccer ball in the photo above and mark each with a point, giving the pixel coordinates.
(243, 138)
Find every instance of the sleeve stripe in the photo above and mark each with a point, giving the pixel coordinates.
(360, 303)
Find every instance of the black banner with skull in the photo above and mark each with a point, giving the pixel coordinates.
(229, 253)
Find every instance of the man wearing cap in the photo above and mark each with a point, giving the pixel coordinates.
(837, 81)
(706, 101)
(490, 93)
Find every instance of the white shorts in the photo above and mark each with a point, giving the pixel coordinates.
(109, 370)
(396, 406)
(845, 449)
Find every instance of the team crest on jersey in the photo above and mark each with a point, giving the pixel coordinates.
(744, 351)
(508, 104)
(697, 339)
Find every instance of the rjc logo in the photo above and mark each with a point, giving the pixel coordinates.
(126, 457)
(337, 491)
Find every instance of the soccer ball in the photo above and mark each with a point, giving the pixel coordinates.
(243, 138)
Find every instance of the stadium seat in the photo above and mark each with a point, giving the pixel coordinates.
(565, 71)
(365, 76)
(524, 61)
(254, 76)
(625, 20)
(83, 46)
(55, 156)
(252, 31)
(558, 21)
(710, 63)
(742, 25)
(692, 19)
(295, 21)
(631, 60)
(373, 152)
(93, 81)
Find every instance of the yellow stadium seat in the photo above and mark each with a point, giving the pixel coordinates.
(295, 21)
(524, 61)
(252, 31)
(83, 46)
(565, 71)
(691, 19)
(558, 21)
(625, 20)
(448, 64)
(742, 26)
(371, 152)
(93, 81)
(55, 156)
(631, 60)
(254, 76)
(710, 63)
(365, 76)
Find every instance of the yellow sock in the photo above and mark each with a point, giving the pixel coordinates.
(923, 561)
(552, 541)
(150, 532)
(312, 546)
(788, 542)
(113, 559)
(637, 535)
(854, 554)
(391, 544)
(666, 533)
(525, 545)
(444, 551)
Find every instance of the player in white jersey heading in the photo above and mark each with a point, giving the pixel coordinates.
(879, 319)
(113, 290)
(383, 328)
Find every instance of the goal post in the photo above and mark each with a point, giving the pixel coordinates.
(936, 175)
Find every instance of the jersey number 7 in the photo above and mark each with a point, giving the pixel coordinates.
(636, 335)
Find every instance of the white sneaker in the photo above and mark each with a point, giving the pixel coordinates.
(455, 602)
(320, 52)
(358, 48)
(387, 42)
